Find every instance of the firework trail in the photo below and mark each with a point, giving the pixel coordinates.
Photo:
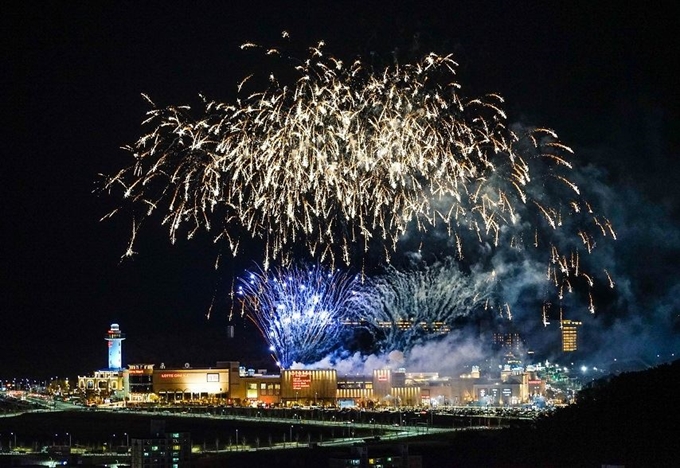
(300, 312)
(348, 154)
(406, 307)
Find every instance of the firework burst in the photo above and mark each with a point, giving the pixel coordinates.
(301, 312)
(405, 307)
(347, 154)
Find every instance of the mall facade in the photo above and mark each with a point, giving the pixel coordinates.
(228, 382)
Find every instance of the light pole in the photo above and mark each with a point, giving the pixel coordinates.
(236, 439)
(291, 435)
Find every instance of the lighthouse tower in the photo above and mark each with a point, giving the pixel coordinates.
(115, 338)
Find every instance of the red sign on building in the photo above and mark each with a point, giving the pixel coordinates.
(301, 380)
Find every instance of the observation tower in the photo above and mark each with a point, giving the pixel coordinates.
(115, 338)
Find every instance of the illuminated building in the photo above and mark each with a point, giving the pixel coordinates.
(140, 382)
(354, 390)
(230, 382)
(512, 391)
(383, 382)
(309, 386)
(191, 384)
(511, 341)
(436, 327)
(257, 387)
(569, 335)
(103, 385)
(161, 449)
(379, 457)
(391, 389)
(110, 383)
(536, 386)
(115, 338)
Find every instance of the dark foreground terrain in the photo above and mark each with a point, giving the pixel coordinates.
(626, 420)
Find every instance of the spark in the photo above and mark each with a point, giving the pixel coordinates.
(546, 308)
(611, 281)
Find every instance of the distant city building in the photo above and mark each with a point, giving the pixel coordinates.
(569, 330)
(384, 457)
(435, 327)
(511, 341)
(161, 449)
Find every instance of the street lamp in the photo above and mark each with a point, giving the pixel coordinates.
(291, 435)
(236, 439)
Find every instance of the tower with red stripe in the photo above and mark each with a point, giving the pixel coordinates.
(115, 338)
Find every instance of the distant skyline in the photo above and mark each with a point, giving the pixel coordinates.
(601, 77)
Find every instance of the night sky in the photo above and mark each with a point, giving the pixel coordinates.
(603, 78)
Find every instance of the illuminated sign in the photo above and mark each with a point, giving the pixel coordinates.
(382, 378)
(136, 371)
(301, 380)
(172, 375)
(213, 377)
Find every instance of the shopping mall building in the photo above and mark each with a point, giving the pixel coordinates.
(228, 382)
